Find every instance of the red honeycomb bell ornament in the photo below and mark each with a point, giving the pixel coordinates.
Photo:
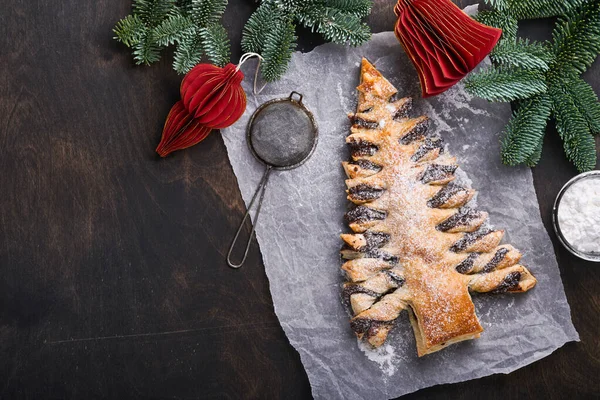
(181, 130)
(443, 42)
(211, 98)
(214, 95)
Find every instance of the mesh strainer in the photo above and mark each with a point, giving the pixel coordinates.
(282, 134)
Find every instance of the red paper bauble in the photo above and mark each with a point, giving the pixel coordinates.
(443, 42)
(181, 130)
(214, 95)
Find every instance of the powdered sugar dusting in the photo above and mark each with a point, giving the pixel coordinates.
(383, 356)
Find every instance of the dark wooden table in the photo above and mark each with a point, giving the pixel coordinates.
(113, 282)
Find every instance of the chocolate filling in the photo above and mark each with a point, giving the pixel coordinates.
(445, 194)
(417, 132)
(437, 172)
(428, 146)
(351, 289)
(366, 164)
(362, 123)
(510, 282)
(363, 192)
(375, 240)
(387, 257)
(463, 217)
(498, 257)
(467, 264)
(398, 280)
(361, 148)
(403, 110)
(364, 214)
(468, 239)
(367, 110)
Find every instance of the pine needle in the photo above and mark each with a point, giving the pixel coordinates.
(525, 131)
(344, 28)
(152, 12)
(504, 84)
(359, 8)
(522, 54)
(174, 29)
(187, 54)
(129, 30)
(504, 21)
(259, 23)
(207, 12)
(215, 44)
(578, 141)
(586, 101)
(146, 50)
(278, 46)
(576, 40)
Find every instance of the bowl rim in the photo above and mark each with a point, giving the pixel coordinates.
(556, 224)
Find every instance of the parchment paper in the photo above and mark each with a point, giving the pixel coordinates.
(302, 217)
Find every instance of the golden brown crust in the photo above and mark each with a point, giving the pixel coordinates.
(414, 244)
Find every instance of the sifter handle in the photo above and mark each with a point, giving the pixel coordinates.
(262, 186)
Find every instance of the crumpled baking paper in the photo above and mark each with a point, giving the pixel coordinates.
(302, 217)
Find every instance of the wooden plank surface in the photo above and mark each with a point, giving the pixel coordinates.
(113, 281)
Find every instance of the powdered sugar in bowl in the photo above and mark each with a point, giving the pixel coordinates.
(576, 216)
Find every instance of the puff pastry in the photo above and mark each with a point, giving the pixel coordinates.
(415, 245)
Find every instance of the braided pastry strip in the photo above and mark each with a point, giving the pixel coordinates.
(415, 245)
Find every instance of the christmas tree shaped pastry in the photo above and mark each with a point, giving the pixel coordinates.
(416, 244)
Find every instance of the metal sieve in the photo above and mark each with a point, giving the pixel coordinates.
(282, 135)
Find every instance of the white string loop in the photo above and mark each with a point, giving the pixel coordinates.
(245, 57)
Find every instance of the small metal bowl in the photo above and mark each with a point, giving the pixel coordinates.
(591, 256)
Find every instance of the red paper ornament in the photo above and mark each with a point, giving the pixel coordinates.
(214, 95)
(181, 130)
(443, 42)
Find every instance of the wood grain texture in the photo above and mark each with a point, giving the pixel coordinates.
(114, 283)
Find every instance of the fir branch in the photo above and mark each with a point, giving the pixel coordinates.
(573, 129)
(504, 21)
(277, 50)
(185, 7)
(310, 16)
(215, 44)
(152, 12)
(530, 9)
(187, 54)
(291, 7)
(500, 5)
(543, 8)
(524, 133)
(522, 54)
(129, 30)
(577, 38)
(586, 101)
(359, 8)
(257, 27)
(505, 84)
(191, 25)
(174, 29)
(146, 50)
(535, 157)
(341, 27)
(206, 12)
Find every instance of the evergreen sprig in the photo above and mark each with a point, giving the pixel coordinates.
(544, 78)
(523, 54)
(270, 31)
(191, 25)
(506, 84)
